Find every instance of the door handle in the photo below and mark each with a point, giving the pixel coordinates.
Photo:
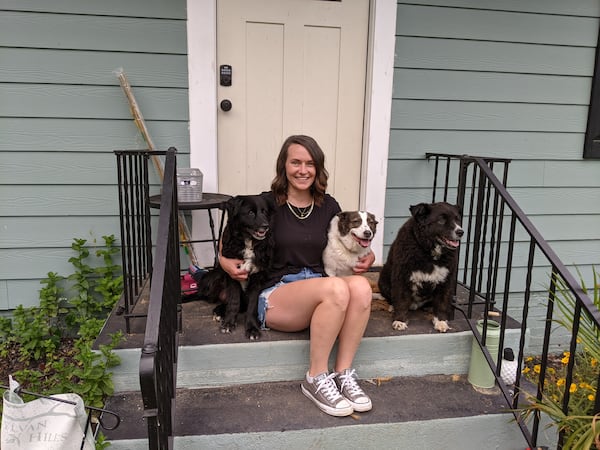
(226, 105)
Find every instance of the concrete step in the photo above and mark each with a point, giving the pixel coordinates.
(433, 411)
(236, 393)
(209, 358)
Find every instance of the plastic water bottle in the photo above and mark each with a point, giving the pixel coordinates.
(508, 371)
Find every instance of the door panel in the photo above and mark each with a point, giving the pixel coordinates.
(298, 67)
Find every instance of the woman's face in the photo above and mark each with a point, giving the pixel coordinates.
(300, 168)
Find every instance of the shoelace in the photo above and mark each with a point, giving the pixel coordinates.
(328, 387)
(350, 383)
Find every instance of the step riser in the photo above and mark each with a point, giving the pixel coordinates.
(494, 431)
(254, 362)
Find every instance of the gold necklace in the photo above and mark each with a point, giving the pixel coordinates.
(301, 213)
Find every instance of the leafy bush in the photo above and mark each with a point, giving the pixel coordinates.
(580, 426)
(48, 348)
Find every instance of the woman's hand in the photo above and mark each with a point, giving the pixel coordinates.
(364, 263)
(232, 267)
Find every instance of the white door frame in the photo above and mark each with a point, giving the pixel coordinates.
(202, 73)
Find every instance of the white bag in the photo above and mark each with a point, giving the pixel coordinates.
(44, 424)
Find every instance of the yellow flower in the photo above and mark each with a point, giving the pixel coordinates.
(537, 368)
(529, 359)
(579, 340)
(551, 370)
(526, 370)
(565, 360)
(560, 382)
(573, 388)
(594, 362)
(585, 385)
(591, 397)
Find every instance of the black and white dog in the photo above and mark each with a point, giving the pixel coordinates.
(348, 239)
(422, 262)
(247, 236)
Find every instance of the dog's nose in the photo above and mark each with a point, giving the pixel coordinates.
(460, 232)
(367, 234)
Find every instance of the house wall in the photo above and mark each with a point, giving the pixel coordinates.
(506, 79)
(477, 77)
(62, 113)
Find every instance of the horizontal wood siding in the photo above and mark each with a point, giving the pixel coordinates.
(63, 113)
(506, 79)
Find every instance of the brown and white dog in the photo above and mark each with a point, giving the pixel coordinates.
(422, 262)
(348, 239)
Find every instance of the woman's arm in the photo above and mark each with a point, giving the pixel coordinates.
(232, 266)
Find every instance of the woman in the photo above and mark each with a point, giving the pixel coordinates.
(299, 295)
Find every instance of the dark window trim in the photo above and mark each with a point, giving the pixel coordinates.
(591, 146)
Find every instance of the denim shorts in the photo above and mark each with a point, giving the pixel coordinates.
(263, 298)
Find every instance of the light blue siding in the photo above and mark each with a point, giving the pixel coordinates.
(505, 79)
(63, 113)
(90, 32)
(87, 135)
(471, 78)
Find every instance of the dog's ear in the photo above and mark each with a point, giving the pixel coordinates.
(343, 222)
(420, 211)
(270, 199)
(371, 216)
(233, 205)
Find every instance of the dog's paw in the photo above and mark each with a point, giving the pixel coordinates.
(253, 334)
(227, 327)
(218, 312)
(398, 325)
(440, 325)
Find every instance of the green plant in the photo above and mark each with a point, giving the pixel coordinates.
(109, 284)
(580, 426)
(54, 340)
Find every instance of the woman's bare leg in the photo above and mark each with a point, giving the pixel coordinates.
(320, 303)
(355, 321)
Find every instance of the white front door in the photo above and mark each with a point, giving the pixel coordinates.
(297, 67)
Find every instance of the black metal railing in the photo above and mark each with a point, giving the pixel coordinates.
(158, 362)
(512, 276)
(136, 240)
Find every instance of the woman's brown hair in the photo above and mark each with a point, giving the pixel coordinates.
(279, 185)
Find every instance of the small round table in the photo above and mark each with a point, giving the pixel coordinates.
(209, 202)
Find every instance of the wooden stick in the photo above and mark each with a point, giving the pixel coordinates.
(184, 231)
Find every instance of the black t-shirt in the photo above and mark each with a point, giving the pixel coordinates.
(300, 243)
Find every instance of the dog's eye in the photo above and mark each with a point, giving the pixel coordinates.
(251, 213)
(442, 220)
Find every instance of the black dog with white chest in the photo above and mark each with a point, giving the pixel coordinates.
(247, 236)
(422, 262)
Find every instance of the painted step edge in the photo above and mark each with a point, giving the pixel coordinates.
(240, 363)
(493, 431)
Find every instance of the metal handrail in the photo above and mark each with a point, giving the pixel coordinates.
(491, 218)
(133, 182)
(158, 361)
